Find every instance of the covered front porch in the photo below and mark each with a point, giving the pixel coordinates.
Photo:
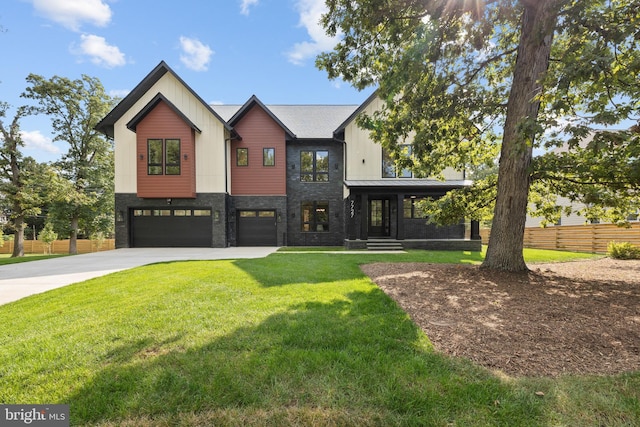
(386, 213)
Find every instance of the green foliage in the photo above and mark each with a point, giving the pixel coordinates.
(48, 236)
(447, 71)
(75, 107)
(19, 177)
(623, 250)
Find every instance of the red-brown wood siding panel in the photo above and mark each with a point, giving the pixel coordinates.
(259, 131)
(163, 123)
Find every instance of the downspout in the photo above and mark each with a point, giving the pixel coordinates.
(233, 136)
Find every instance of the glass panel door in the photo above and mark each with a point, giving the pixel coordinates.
(379, 218)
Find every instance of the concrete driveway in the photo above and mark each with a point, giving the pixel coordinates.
(23, 279)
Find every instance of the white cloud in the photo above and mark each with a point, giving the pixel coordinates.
(119, 93)
(73, 13)
(34, 140)
(246, 4)
(99, 51)
(310, 13)
(196, 55)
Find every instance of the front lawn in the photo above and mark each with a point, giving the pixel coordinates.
(292, 339)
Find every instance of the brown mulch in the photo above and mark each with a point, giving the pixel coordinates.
(578, 317)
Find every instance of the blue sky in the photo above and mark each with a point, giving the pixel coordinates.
(226, 50)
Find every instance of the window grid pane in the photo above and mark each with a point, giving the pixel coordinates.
(154, 157)
(314, 166)
(172, 156)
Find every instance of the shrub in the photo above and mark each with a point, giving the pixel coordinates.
(48, 236)
(623, 250)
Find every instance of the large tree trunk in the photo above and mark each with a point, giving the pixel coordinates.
(507, 232)
(18, 239)
(73, 240)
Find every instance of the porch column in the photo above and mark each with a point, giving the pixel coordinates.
(475, 230)
(364, 216)
(400, 217)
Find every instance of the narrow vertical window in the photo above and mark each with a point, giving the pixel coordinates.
(306, 166)
(172, 156)
(242, 157)
(154, 157)
(322, 166)
(268, 157)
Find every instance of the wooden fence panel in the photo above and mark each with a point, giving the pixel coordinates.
(577, 238)
(61, 246)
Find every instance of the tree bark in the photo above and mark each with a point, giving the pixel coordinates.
(18, 239)
(507, 233)
(73, 240)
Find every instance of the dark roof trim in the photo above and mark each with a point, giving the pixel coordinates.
(253, 101)
(355, 113)
(408, 183)
(107, 123)
(133, 123)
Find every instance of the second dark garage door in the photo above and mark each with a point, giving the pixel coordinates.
(257, 228)
(171, 227)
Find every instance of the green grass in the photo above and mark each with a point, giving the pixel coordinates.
(292, 339)
(312, 249)
(6, 258)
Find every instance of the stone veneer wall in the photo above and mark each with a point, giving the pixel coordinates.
(331, 192)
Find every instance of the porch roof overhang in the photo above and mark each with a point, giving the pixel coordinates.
(407, 184)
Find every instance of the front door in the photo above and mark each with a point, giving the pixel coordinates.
(379, 218)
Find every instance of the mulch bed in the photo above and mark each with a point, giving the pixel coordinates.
(563, 318)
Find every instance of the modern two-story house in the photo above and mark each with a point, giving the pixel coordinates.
(193, 174)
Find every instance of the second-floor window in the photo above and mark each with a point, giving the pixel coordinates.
(390, 168)
(242, 157)
(163, 156)
(268, 157)
(314, 166)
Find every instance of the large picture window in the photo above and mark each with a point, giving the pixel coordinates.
(163, 157)
(315, 216)
(390, 168)
(314, 166)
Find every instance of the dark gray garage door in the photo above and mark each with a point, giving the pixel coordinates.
(257, 228)
(171, 227)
